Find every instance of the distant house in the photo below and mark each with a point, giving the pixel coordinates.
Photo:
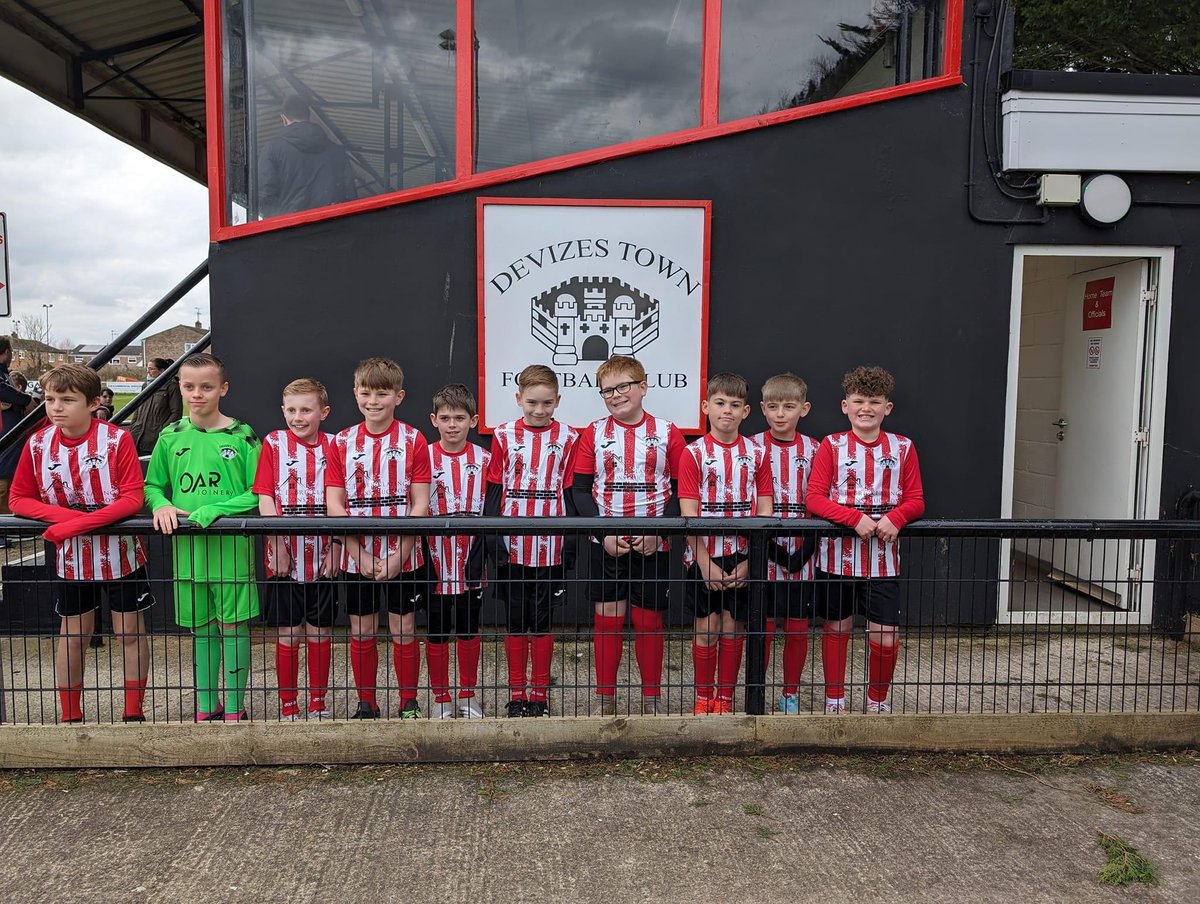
(129, 357)
(31, 356)
(172, 343)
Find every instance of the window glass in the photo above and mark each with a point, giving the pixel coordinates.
(779, 54)
(559, 76)
(367, 87)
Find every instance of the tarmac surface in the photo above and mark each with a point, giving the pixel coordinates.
(811, 828)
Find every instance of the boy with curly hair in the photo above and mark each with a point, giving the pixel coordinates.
(868, 480)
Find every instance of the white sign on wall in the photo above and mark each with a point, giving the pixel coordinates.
(568, 283)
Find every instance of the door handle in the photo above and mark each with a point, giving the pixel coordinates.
(1061, 424)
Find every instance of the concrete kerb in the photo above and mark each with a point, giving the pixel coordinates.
(497, 740)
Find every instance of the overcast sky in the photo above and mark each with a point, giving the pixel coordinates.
(96, 228)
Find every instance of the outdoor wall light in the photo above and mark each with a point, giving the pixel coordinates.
(1106, 199)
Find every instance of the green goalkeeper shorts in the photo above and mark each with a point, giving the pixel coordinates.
(200, 602)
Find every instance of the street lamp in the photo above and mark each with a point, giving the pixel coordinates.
(46, 308)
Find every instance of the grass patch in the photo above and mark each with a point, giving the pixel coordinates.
(1125, 865)
(752, 810)
(699, 770)
(491, 792)
(765, 832)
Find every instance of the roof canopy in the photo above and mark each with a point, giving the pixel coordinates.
(134, 68)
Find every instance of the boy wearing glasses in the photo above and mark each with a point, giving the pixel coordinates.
(625, 466)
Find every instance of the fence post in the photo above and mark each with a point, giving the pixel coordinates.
(756, 626)
(3, 708)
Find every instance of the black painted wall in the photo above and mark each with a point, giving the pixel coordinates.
(836, 240)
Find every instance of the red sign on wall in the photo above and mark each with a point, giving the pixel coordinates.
(1097, 304)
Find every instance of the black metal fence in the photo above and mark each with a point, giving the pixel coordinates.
(994, 616)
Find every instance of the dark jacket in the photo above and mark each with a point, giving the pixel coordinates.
(299, 169)
(11, 416)
(164, 406)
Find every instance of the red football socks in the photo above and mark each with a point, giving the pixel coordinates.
(542, 653)
(704, 659)
(287, 670)
(516, 651)
(608, 641)
(320, 655)
(406, 658)
(135, 693)
(770, 643)
(468, 665)
(795, 652)
(71, 701)
(881, 664)
(833, 660)
(437, 655)
(729, 664)
(364, 662)
(648, 642)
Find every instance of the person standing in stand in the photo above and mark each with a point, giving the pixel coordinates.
(164, 406)
(14, 404)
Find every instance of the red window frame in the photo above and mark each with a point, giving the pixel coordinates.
(466, 179)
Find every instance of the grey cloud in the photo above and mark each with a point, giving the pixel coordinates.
(97, 228)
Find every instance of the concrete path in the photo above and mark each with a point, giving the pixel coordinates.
(891, 829)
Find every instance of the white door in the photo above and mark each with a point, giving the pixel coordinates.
(1101, 425)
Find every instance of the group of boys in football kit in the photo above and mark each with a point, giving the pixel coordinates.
(80, 473)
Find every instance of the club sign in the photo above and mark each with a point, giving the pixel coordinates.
(570, 283)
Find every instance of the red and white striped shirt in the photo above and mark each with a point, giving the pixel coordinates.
(292, 473)
(532, 465)
(790, 464)
(726, 479)
(850, 479)
(633, 465)
(378, 473)
(458, 488)
(85, 474)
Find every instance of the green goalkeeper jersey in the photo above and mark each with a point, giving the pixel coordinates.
(207, 473)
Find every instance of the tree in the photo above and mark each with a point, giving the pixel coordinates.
(38, 341)
(847, 53)
(1142, 36)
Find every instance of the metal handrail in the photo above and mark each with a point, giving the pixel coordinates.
(19, 432)
(997, 528)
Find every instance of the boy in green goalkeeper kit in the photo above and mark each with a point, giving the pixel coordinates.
(203, 468)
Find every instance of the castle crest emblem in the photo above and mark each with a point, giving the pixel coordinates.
(590, 318)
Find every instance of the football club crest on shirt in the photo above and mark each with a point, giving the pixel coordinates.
(570, 284)
(228, 453)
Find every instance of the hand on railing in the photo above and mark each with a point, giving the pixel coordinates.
(166, 519)
(885, 530)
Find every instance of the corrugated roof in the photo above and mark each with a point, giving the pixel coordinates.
(140, 65)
